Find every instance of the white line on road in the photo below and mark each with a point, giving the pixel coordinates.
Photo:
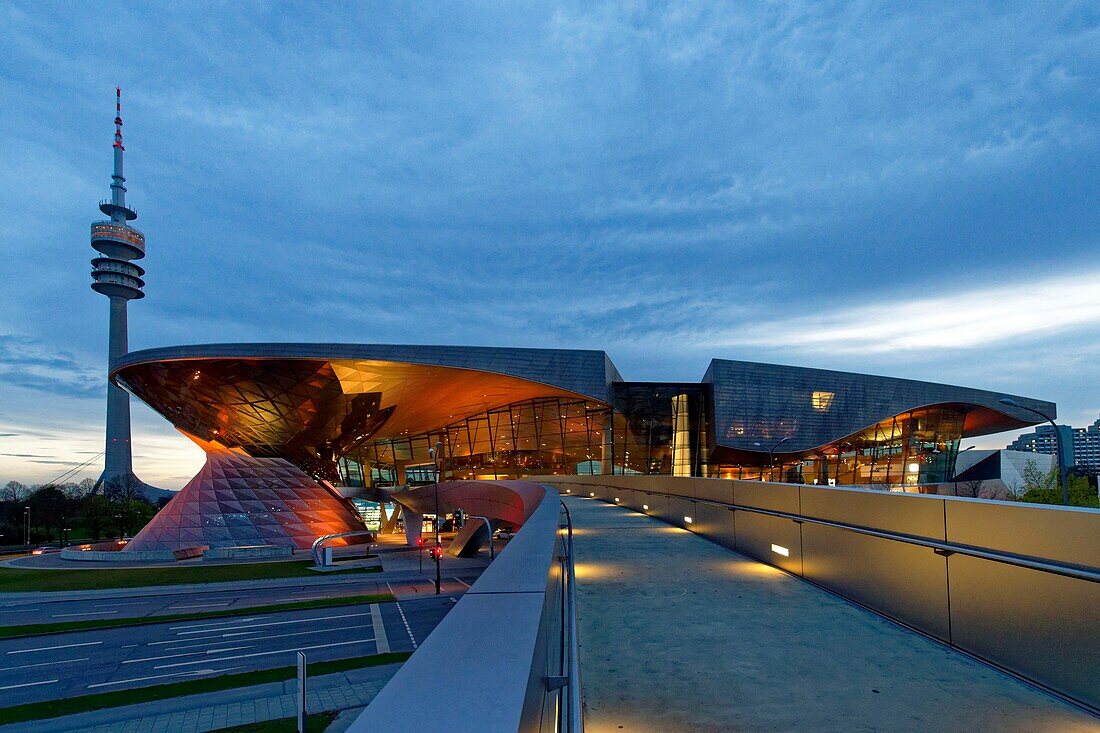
(188, 654)
(28, 684)
(381, 641)
(403, 619)
(44, 664)
(280, 635)
(51, 648)
(324, 619)
(201, 605)
(86, 613)
(212, 623)
(460, 580)
(266, 654)
(196, 673)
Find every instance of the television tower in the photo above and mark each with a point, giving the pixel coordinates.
(116, 276)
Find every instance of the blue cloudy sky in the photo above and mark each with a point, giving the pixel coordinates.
(907, 189)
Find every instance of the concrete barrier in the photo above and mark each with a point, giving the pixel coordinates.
(1014, 584)
(491, 663)
(249, 552)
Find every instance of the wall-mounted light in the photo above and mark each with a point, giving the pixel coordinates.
(914, 468)
(781, 550)
(592, 494)
(616, 500)
(645, 507)
(687, 520)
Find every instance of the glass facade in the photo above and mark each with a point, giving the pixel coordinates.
(549, 435)
(906, 451)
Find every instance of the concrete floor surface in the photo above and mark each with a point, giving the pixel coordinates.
(680, 634)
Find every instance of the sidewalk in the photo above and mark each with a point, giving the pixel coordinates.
(679, 633)
(214, 710)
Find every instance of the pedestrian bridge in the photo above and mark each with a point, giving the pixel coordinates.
(694, 613)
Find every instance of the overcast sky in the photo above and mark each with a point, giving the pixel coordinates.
(910, 190)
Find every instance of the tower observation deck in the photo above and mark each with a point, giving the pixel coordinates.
(115, 275)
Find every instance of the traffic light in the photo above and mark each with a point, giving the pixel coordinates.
(419, 541)
(437, 553)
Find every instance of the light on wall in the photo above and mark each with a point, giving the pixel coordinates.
(616, 500)
(914, 468)
(645, 507)
(781, 550)
(687, 520)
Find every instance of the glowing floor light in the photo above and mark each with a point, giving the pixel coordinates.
(781, 550)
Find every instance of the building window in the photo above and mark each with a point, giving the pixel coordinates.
(822, 401)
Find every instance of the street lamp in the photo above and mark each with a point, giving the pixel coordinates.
(27, 518)
(434, 453)
(771, 451)
(955, 468)
(1057, 443)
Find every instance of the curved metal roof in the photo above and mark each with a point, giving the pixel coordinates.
(814, 407)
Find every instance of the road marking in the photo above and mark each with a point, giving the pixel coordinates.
(28, 684)
(44, 664)
(404, 620)
(266, 654)
(380, 639)
(212, 623)
(187, 654)
(51, 648)
(266, 638)
(202, 605)
(275, 623)
(460, 580)
(196, 673)
(86, 613)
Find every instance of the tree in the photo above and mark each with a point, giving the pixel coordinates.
(14, 491)
(972, 488)
(97, 516)
(1040, 488)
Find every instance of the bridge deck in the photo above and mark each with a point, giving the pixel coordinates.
(680, 634)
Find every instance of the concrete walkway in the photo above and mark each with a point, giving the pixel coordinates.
(680, 634)
(214, 710)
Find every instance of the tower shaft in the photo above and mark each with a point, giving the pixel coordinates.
(118, 459)
(116, 275)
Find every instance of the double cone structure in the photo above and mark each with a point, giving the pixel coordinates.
(237, 500)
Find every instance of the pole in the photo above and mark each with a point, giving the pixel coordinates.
(1057, 443)
(438, 545)
(27, 532)
(301, 699)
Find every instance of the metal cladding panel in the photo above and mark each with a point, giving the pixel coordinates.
(1041, 624)
(589, 373)
(814, 407)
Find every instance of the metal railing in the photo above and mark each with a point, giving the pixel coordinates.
(940, 548)
(318, 544)
(570, 719)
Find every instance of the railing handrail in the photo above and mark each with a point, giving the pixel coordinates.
(571, 719)
(941, 547)
(318, 543)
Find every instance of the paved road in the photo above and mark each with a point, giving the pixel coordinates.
(63, 665)
(679, 633)
(137, 603)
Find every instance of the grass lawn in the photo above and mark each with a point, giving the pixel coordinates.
(19, 579)
(98, 701)
(315, 723)
(12, 632)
